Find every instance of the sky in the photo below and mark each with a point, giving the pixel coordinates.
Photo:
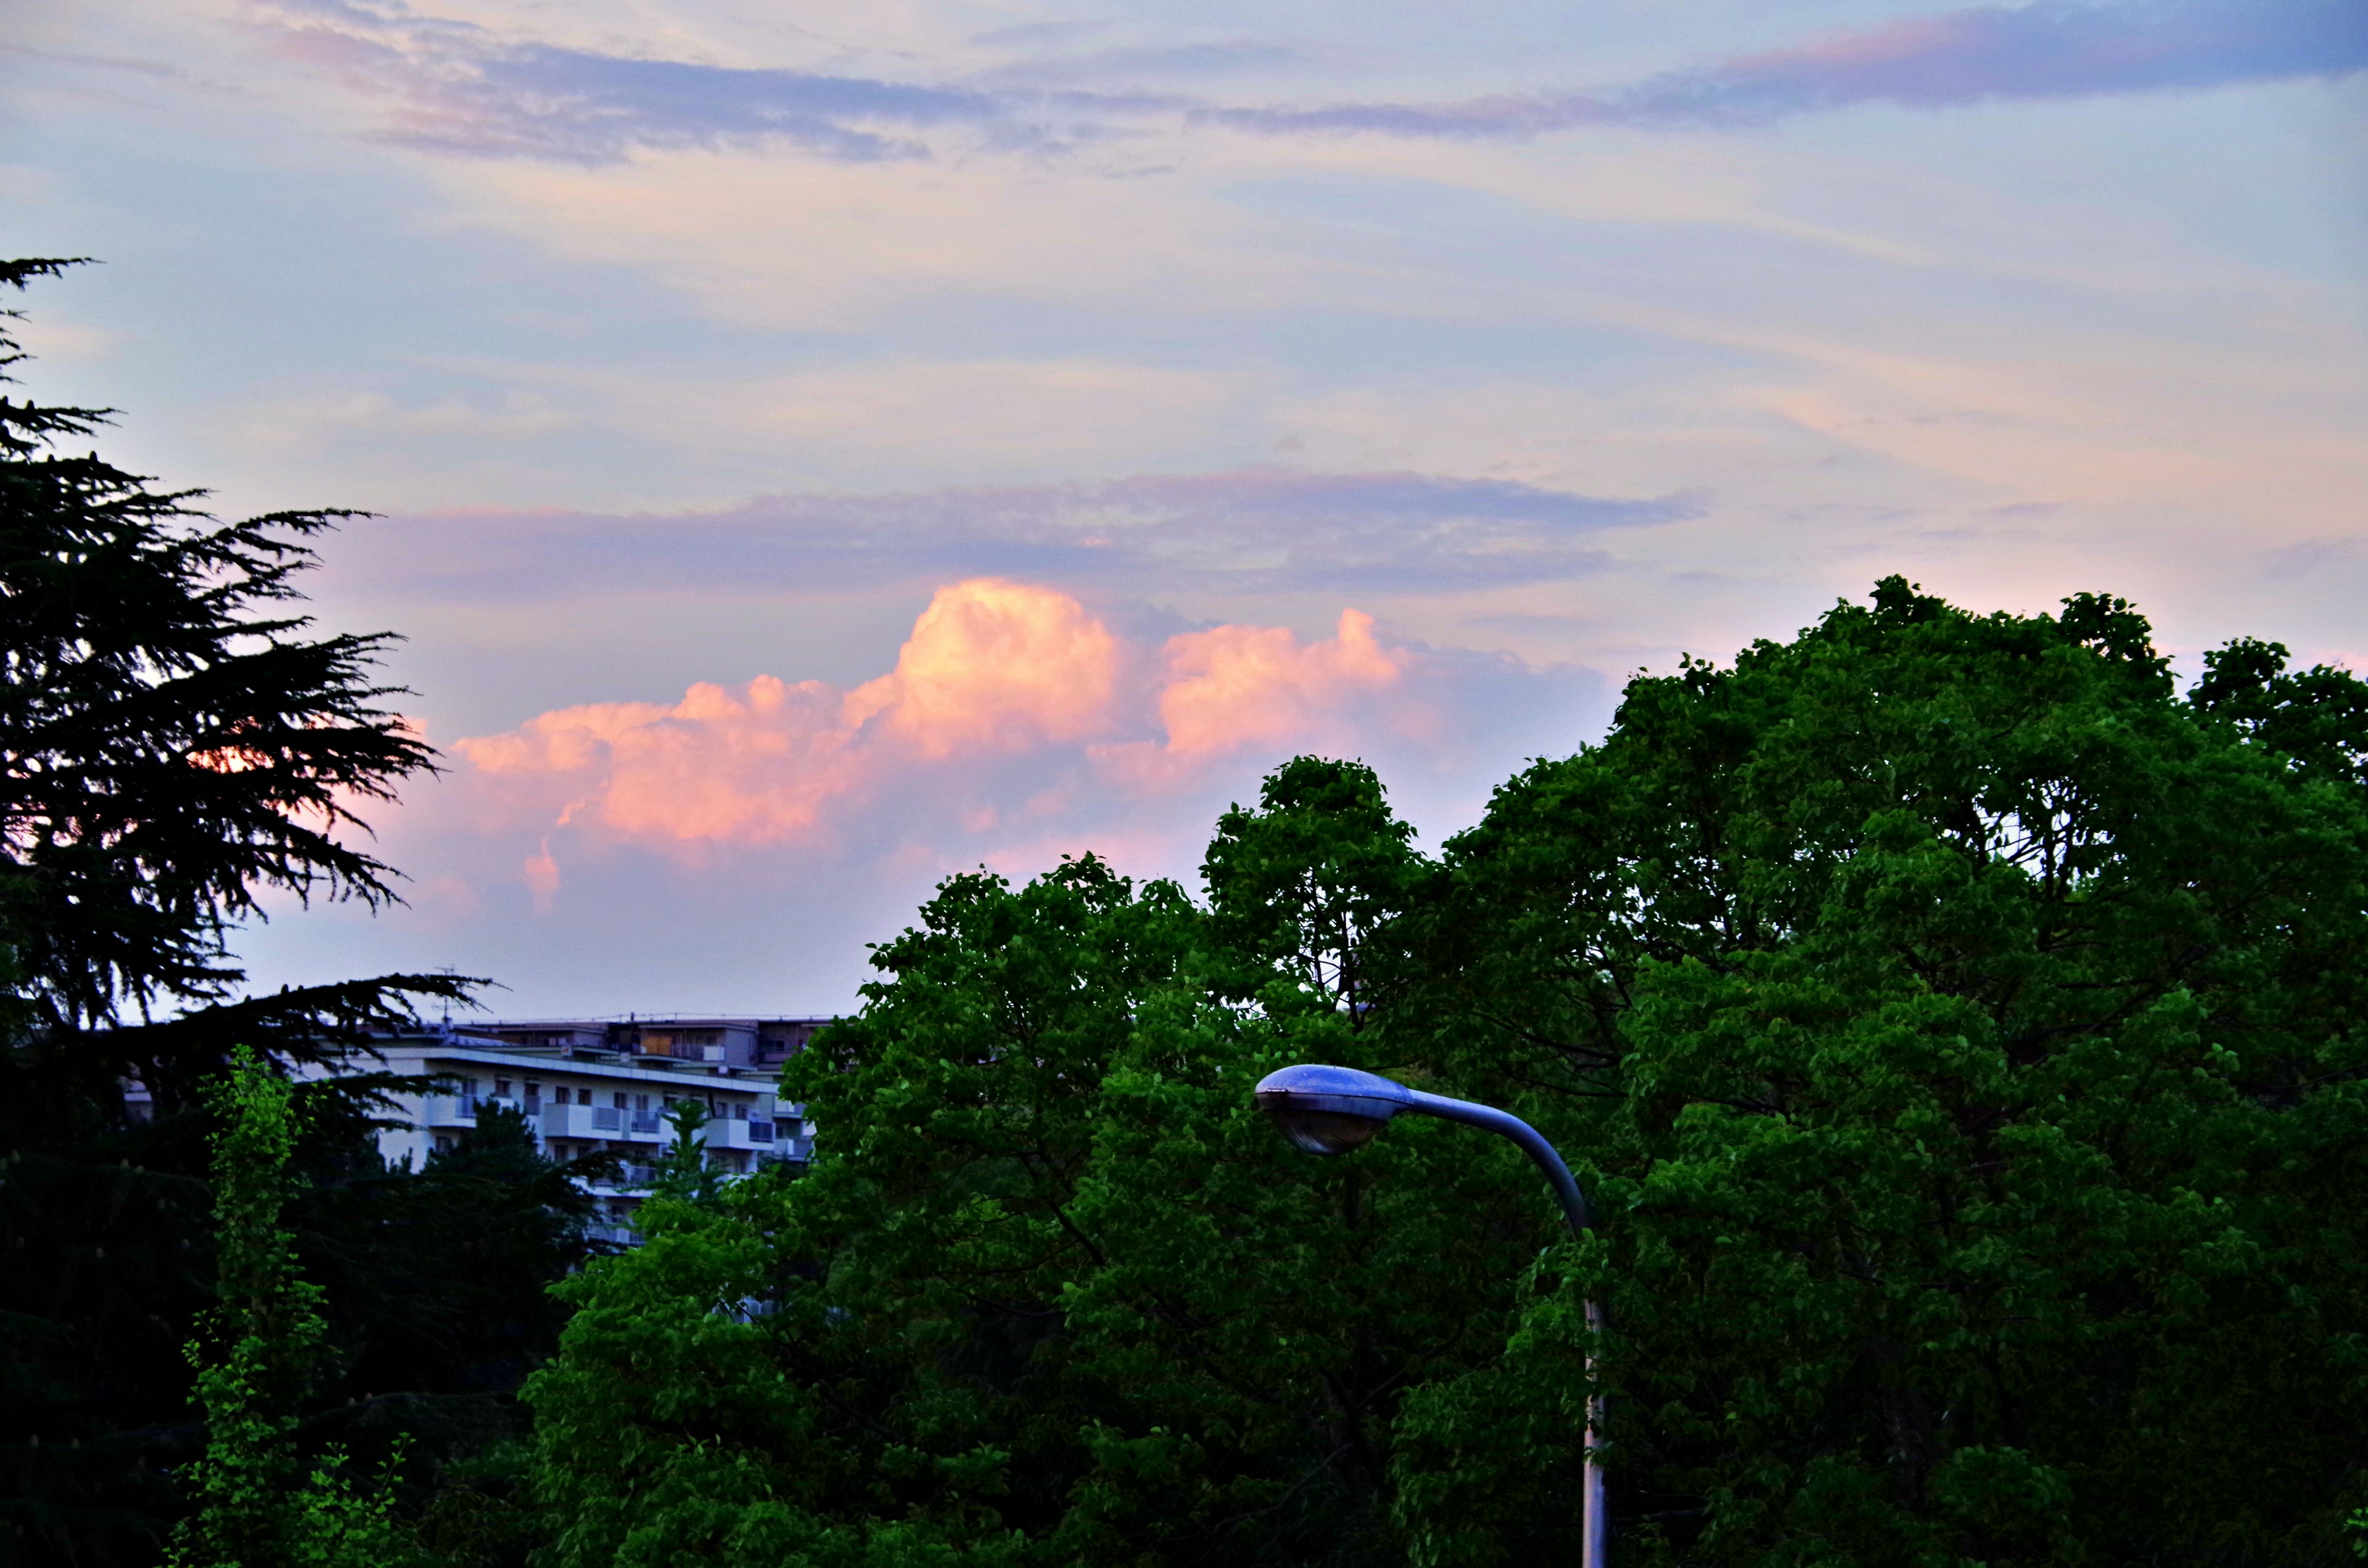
(814, 450)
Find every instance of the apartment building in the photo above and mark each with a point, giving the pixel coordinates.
(604, 1085)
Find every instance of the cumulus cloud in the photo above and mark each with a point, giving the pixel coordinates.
(462, 89)
(1252, 529)
(994, 665)
(739, 847)
(1011, 707)
(1258, 684)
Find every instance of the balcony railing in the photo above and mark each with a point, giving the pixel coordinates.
(468, 1107)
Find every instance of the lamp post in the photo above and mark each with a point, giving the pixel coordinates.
(1330, 1110)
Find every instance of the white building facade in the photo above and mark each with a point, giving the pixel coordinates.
(604, 1085)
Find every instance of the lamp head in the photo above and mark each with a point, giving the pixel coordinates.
(1329, 1111)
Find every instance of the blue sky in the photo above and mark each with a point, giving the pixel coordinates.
(1026, 391)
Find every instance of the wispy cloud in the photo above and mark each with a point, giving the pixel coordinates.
(1252, 529)
(2054, 48)
(1150, 63)
(463, 90)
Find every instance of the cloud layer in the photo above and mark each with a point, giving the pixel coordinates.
(1256, 530)
(738, 847)
(460, 88)
(2052, 49)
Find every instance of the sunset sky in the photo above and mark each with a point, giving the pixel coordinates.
(816, 449)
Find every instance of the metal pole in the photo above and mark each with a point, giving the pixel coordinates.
(1594, 1523)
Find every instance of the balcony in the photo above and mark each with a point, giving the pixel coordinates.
(754, 1133)
(461, 1110)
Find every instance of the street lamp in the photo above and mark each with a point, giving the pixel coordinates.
(1330, 1110)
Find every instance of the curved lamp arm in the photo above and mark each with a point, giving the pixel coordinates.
(1507, 1125)
(1330, 1110)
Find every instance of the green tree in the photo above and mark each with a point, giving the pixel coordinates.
(1962, 1033)
(437, 1277)
(256, 1503)
(1956, 1028)
(173, 740)
(1050, 1291)
(683, 1173)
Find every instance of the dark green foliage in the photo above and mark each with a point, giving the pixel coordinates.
(255, 1502)
(172, 744)
(1298, 887)
(1982, 1135)
(2316, 719)
(1957, 1031)
(683, 1173)
(173, 740)
(439, 1273)
(1051, 1292)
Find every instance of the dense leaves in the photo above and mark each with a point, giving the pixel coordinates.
(1958, 1030)
(254, 1505)
(1980, 1026)
(1052, 1294)
(175, 740)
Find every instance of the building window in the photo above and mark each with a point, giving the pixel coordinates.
(739, 1112)
(501, 1088)
(621, 1102)
(641, 1102)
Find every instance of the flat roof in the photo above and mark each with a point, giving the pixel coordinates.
(497, 1054)
(603, 1021)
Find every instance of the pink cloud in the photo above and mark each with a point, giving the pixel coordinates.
(1237, 686)
(1010, 706)
(996, 664)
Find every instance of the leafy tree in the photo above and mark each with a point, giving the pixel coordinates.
(437, 1277)
(1958, 1031)
(1964, 1033)
(173, 738)
(255, 1505)
(1050, 1292)
(439, 1306)
(1299, 886)
(683, 1173)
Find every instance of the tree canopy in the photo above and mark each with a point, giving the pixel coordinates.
(1957, 1029)
(174, 739)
